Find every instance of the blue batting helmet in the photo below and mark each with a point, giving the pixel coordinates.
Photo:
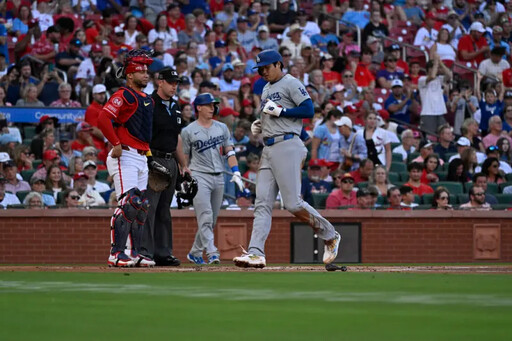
(267, 57)
(205, 98)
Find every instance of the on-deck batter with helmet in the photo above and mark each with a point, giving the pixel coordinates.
(206, 144)
(285, 102)
(126, 121)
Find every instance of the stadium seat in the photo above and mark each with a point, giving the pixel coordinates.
(422, 207)
(36, 163)
(447, 157)
(501, 207)
(463, 198)
(22, 194)
(319, 200)
(102, 175)
(394, 145)
(399, 184)
(509, 177)
(27, 174)
(380, 95)
(60, 198)
(503, 185)
(442, 175)
(396, 157)
(363, 184)
(492, 188)
(451, 186)
(29, 132)
(504, 198)
(27, 142)
(412, 156)
(382, 200)
(404, 176)
(393, 177)
(16, 206)
(398, 167)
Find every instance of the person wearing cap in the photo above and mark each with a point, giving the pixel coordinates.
(64, 147)
(313, 182)
(331, 77)
(117, 43)
(38, 184)
(462, 144)
(207, 145)
(13, 184)
(126, 121)
(245, 36)
(433, 106)
(264, 41)
(88, 197)
(50, 157)
(282, 17)
(375, 27)
(473, 47)
(498, 41)
(99, 95)
(166, 150)
(84, 138)
(70, 59)
(321, 39)
(228, 15)
(351, 145)
(91, 170)
(344, 195)
(391, 72)
(228, 85)
(426, 36)
(295, 41)
(5, 197)
(399, 102)
(364, 200)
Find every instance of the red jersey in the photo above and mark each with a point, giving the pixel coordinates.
(119, 109)
(421, 189)
(466, 43)
(331, 78)
(363, 76)
(178, 25)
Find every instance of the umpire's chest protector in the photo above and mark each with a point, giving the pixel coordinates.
(167, 124)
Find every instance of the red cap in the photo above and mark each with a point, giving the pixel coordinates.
(44, 118)
(384, 114)
(317, 163)
(349, 109)
(246, 103)
(245, 81)
(83, 126)
(347, 176)
(50, 154)
(96, 48)
(80, 175)
(358, 105)
(228, 111)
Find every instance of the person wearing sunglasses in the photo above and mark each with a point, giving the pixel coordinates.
(391, 72)
(493, 152)
(441, 200)
(345, 195)
(491, 169)
(71, 197)
(476, 200)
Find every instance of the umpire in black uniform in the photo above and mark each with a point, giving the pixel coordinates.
(166, 151)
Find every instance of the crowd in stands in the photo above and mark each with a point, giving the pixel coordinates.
(393, 127)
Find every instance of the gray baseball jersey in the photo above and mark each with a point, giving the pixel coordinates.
(288, 93)
(205, 146)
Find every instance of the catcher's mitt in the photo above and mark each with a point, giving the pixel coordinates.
(158, 181)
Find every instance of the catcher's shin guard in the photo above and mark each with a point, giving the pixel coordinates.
(137, 226)
(122, 219)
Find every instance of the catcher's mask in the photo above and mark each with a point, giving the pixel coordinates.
(186, 190)
(135, 60)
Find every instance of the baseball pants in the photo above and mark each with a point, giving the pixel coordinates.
(128, 171)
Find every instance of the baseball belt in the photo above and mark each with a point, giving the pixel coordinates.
(269, 141)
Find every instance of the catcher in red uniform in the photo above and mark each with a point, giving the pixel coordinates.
(126, 121)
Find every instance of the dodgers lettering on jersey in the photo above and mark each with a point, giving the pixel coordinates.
(205, 146)
(287, 93)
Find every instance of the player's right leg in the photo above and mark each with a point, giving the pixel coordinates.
(266, 192)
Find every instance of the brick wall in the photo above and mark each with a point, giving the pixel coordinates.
(82, 236)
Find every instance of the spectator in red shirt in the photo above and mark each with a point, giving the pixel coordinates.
(415, 170)
(362, 174)
(362, 75)
(331, 78)
(430, 164)
(44, 48)
(84, 138)
(473, 47)
(345, 195)
(99, 94)
(175, 19)
(117, 41)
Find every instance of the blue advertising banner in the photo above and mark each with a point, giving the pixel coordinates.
(32, 115)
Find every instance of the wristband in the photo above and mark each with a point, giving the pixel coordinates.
(230, 153)
(235, 169)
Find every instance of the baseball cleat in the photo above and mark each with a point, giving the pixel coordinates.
(196, 260)
(143, 262)
(120, 260)
(213, 260)
(248, 260)
(331, 248)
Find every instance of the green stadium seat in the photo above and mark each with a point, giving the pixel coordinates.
(508, 177)
(452, 186)
(422, 207)
(242, 165)
(319, 200)
(363, 184)
(396, 157)
(16, 206)
(463, 198)
(382, 200)
(22, 194)
(399, 184)
(504, 198)
(412, 156)
(36, 163)
(503, 185)
(442, 175)
(394, 145)
(427, 199)
(501, 207)
(27, 174)
(102, 175)
(417, 199)
(492, 188)
(27, 142)
(404, 176)
(393, 177)
(398, 167)
(447, 156)
(29, 132)
(60, 198)
(467, 186)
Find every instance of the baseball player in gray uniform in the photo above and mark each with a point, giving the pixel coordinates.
(206, 144)
(285, 102)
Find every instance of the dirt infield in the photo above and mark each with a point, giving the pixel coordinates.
(494, 269)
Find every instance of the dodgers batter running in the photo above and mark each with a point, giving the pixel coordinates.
(206, 144)
(285, 103)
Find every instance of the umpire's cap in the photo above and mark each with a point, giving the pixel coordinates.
(169, 75)
(267, 57)
(205, 98)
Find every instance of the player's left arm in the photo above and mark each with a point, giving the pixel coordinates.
(230, 154)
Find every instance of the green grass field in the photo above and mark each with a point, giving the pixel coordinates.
(254, 306)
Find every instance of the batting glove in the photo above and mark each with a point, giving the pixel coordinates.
(256, 127)
(272, 108)
(237, 179)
